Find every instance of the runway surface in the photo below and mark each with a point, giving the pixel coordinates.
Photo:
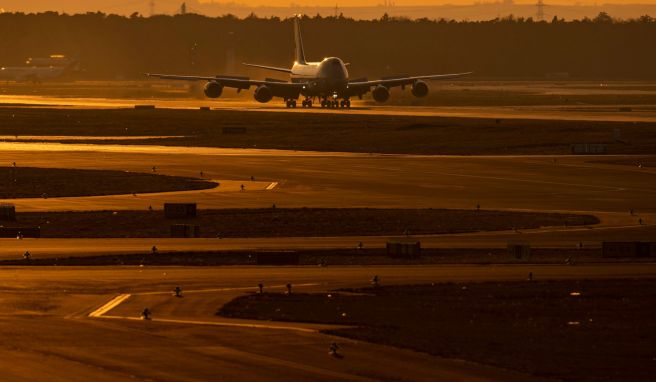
(44, 314)
(638, 113)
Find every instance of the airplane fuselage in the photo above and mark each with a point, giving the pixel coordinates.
(326, 78)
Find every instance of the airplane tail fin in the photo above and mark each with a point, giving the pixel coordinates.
(298, 39)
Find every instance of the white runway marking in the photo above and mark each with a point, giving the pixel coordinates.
(219, 323)
(272, 186)
(113, 303)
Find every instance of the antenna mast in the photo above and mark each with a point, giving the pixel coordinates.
(539, 15)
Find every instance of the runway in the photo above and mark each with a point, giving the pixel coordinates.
(637, 113)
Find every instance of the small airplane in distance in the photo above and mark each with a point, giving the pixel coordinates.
(39, 69)
(327, 80)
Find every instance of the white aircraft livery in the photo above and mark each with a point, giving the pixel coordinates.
(327, 81)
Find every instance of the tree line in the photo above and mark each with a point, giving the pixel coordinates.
(111, 46)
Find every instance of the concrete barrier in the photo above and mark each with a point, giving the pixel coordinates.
(409, 249)
(588, 149)
(519, 251)
(619, 249)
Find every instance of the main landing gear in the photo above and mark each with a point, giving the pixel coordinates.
(335, 104)
(326, 103)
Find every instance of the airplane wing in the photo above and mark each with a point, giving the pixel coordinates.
(360, 87)
(269, 68)
(278, 88)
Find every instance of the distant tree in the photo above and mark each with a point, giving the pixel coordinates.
(497, 47)
(603, 18)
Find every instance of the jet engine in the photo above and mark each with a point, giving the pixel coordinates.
(381, 93)
(263, 94)
(420, 89)
(213, 89)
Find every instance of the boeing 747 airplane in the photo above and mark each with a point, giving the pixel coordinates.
(327, 81)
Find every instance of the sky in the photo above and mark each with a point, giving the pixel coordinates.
(344, 3)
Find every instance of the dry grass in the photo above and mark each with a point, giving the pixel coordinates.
(606, 334)
(32, 182)
(290, 222)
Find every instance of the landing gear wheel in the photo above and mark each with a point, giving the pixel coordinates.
(348, 103)
(294, 103)
(323, 104)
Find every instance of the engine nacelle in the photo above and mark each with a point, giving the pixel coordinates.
(381, 93)
(420, 89)
(263, 94)
(213, 89)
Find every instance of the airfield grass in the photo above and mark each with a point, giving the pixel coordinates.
(34, 182)
(607, 333)
(294, 222)
(337, 131)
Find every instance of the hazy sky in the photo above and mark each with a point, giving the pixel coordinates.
(344, 3)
